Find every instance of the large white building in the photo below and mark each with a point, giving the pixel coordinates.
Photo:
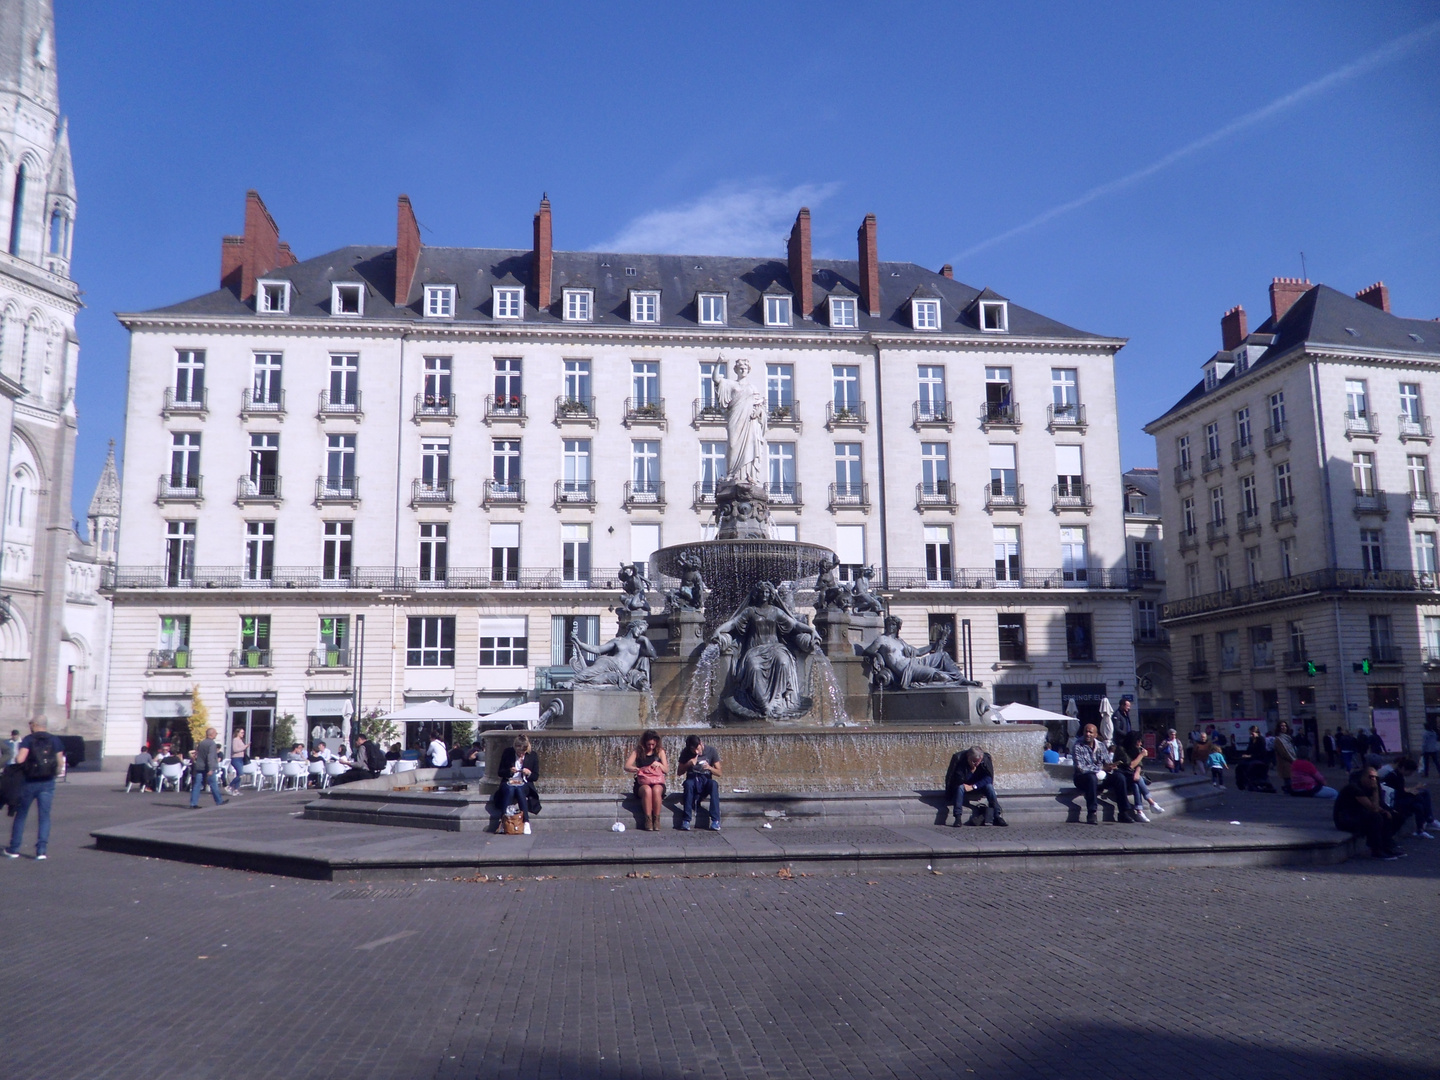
(1301, 519)
(455, 448)
(54, 624)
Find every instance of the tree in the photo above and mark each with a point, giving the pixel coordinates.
(199, 717)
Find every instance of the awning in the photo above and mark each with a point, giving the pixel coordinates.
(166, 708)
(326, 704)
(429, 710)
(1017, 712)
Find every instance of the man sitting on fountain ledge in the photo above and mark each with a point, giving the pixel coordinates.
(700, 765)
(1092, 761)
(969, 780)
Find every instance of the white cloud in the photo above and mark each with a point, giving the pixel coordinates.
(731, 219)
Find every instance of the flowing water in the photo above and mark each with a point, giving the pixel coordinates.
(696, 710)
(826, 693)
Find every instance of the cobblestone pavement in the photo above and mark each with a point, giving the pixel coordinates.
(130, 967)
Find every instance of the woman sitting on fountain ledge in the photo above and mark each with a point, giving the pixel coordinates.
(518, 771)
(649, 765)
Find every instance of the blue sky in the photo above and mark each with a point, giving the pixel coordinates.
(670, 128)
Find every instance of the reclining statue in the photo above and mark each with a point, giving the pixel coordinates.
(894, 665)
(622, 663)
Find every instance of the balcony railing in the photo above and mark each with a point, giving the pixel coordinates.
(1002, 496)
(1326, 582)
(999, 414)
(271, 404)
(1184, 474)
(337, 489)
(1151, 635)
(435, 407)
(1365, 423)
(1070, 497)
(1215, 531)
(850, 497)
(784, 493)
(1248, 521)
(345, 407)
(1189, 538)
(252, 489)
(1412, 428)
(169, 660)
(1199, 669)
(1371, 502)
(644, 411)
(1282, 512)
(644, 493)
(574, 493)
(704, 494)
(1277, 435)
(703, 412)
(932, 414)
(936, 495)
(842, 415)
(570, 410)
(432, 492)
(1141, 579)
(174, 488)
(786, 415)
(504, 493)
(1240, 451)
(1386, 654)
(1210, 462)
(194, 404)
(249, 658)
(1296, 659)
(1065, 416)
(505, 407)
(1431, 658)
(1017, 578)
(1423, 506)
(321, 659)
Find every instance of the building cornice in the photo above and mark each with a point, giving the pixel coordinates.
(39, 283)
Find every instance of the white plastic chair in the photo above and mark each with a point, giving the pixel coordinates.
(169, 774)
(317, 773)
(269, 774)
(251, 772)
(334, 769)
(406, 766)
(295, 771)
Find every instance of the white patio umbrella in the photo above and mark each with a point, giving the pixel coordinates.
(1107, 720)
(1072, 726)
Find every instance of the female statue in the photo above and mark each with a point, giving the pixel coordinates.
(746, 418)
(763, 640)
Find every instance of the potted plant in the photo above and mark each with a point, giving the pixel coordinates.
(180, 659)
(252, 658)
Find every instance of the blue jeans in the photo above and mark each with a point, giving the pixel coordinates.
(43, 793)
(696, 788)
(198, 781)
(983, 790)
(514, 793)
(238, 763)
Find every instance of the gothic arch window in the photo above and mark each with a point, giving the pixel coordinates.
(20, 500)
(17, 210)
(12, 347)
(32, 364)
(14, 637)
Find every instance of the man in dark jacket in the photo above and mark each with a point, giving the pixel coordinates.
(41, 758)
(970, 779)
(369, 763)
(206, 770)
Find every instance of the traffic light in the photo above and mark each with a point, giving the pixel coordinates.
(1363, 667)
(1312, 668)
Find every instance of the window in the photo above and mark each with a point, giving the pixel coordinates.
(347, 299)
(1003, 476)
(781, 462)
(1362, 468)
(437, 383)
(938, 565)
(255, 633)
(845, 386)
(440, 301)
(711, 307)
(780, 387)
(1212, 441)
(1079, 639)
(644, 542)
(179, 551)
(508, 303)
(844, 314)
(504, 551)
(1074, 563)
(1182, 452)
(1356, 400)
(1187, 514)
(430, 641)
(174, 632)
(1147, 620)
(1417, 467)
(575, 553)
(777, 310)
(264, 477)
(935, 470)
(434, 464)
(1372, 555)
(344, 380)
(563, 627)
(713, 465)
(1277, 411)
(1145, 560)
(1296, 632)
(185, 461)
(1410, 409)
(1229, 643)
(850, 549)
(994, 316)
(1192, 579)
(1197, 650)
(1222, 573)
(17, 211)
(1065, 391)
(578, 303)
(504, 641)
(337, 550)
(777, 532)
(434, 550)
(847, 471)
(1011, 630)
(645, 469)
(1006, 541)
(1069, 473)
(1287, 557)
(273, 297)
(505, 466)
(1425, 552)
(190, 377)
(999, 395)
(925, 314)
(509, 383)
(1249, 497)
(707, 387)
(933, 404)
(259, 550)
(644, 307)
(1242, 427)
(1382, 643)
(577, 382)
(340, 465)
(645, 383)
(1252, 565)
(335, 639)
(1217, 506)
(575, 475)
(1284, 491)
(266, 389)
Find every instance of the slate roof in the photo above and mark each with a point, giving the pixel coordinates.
(1326, 317)
(1147, 482)
(475, 271)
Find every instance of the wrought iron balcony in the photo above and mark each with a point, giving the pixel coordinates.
(196, 403)
(784, 493)
(504, 493)
(932, 414)
(253, 404)
(1002, 496)
(841, 415)
(1068, 417)
(1325, 582)
(1277, 435)
(1199, 669)
(337, 489)
(249, 658)
(257, 489)
(435, 407)
(1371, 502)
(1413, 428)
(1189, 538)
(1282, 511)
(999, 414)
(1210, 462)
(644, 493)
(1070, 497)
(1217, 530)
(1423, 505)
(168, 660)
(936, 495)
(432, 493)
(786, 415)
(574, 493)
(850, 497)
(1296, 659)
(1184, 474)
(704, 494)
(1248, 521)
(173, 488)
(1151, 635)
(644, 411)
(505, 407)
(1242, 451)
(703, 412)
(325, 659)
(570, 410)
(1386, 654)
(1029, 577)
(1361, 423)
(343, 407)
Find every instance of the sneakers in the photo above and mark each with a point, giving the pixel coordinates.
(1424, 835)
(684, 826)
(1386, 858)
(39, 857)
(1157, 808)
(1092, 818)
(1141, 815)
(10, 854)
(714, 826)
(1000, 821)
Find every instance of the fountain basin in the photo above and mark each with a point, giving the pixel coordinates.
(732, 567)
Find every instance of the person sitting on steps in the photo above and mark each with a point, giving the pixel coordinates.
(648, 764)
(700, 765)
(1093, 771)
(969, 780)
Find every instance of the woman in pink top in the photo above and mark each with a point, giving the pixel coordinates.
(1306, 779)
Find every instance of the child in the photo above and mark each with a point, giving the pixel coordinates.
(1216, 761)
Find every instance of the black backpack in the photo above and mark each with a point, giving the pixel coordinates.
(374, 757)
(42, 763)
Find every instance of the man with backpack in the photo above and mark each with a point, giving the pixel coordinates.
(369, 762)
(41, 757)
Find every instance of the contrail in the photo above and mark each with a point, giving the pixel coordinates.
(1369, 61)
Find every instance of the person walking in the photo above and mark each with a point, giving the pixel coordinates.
(1346, 744)
(1430, 748)
(1217, 764)
(1173, 752)
(648, 764)
(239, 748)
(1285, 754)
(206, 770)
(1329, 750)
(41, 758)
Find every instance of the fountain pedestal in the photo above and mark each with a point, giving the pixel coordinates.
(687, 633)
(833, 628)
(945, 704)
(865, 627)
(600, 710)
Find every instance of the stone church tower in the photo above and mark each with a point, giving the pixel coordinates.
(54, 627)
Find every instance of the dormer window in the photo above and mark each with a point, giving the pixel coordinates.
(712, 309)
(843, 314)
(273, 297)
(578, 305)
(509, 302)
(347, 298)
(777, 310)
(925, 314)
(439, 301)
(994, 316)
(644, 306)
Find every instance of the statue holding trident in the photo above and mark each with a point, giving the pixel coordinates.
(742, 506)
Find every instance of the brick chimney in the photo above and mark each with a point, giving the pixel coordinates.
(407, 249)
(802, 273)
(869, 266)
(1284, 291)
(259, 251)
(1233, 327)
(543, 256)
(1376, 295)
(947, 271)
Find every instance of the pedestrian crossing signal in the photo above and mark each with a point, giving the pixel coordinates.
(1312, 668)
(1363, 667)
